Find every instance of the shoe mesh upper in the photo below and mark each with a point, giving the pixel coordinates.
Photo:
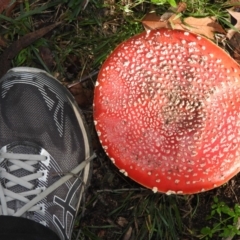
(37, 112)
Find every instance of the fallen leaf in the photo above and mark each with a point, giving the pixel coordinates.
(4, 4)
(83, 96)
(153, 21)
(121, 221)
(233, 2)
(206, 26)
(233, 46)
(166, 16)
(2, 42)
(12, 51)
(128, 234)
(235, 15)
(8, 6)
(101, 233)
(47, 56)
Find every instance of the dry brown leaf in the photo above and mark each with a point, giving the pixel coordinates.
(205, 26)
(233, 2)
(47, 56)
(102, 233)
(174, 20)
(8, 6)
(153, 21)
(128, 234)
(4, 4)
(121, 221)
(166, 16)
(2, 42)
(235, 15)
(233, 46)
(82, 95)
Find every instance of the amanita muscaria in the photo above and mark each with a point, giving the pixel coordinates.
(167, 111)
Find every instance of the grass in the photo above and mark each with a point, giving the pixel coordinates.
(79, 46)
(226, 220)
(92, 33)
(148, 215)
(159, 214)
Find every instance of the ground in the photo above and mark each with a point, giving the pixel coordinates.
(115, 207)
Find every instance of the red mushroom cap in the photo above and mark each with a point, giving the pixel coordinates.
(167, 111)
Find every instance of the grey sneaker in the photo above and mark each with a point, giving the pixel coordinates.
(45, 154)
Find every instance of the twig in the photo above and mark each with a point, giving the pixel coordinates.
(84, 78)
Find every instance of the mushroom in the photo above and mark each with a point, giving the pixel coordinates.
(167, 111)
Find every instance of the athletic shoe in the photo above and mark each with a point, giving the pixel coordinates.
(45, 153)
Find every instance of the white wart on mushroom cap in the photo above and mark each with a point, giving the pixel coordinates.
(167, 111)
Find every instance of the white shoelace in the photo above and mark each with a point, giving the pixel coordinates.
(17, 163)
